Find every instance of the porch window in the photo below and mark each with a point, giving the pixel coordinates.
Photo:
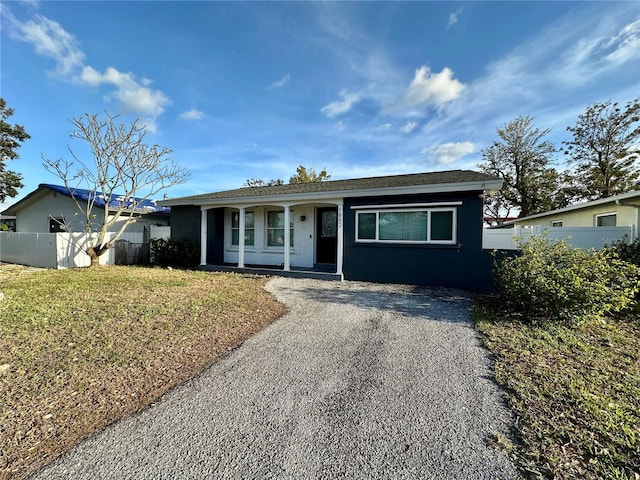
(249, 229)
(275, 229)
(425, 225)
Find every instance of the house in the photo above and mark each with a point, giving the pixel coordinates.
(621, 210)
(43, 210)
(422, 229)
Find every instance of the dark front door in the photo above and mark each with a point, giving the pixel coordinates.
(327, 235)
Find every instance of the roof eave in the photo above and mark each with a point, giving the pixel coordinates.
(333, 194)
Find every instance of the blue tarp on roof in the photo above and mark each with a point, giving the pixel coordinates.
(146, 206)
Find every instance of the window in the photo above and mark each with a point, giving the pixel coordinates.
(556, 223)
(248, 228)
(436, 225)
(56, 225)
(606, 220)
(275, 229)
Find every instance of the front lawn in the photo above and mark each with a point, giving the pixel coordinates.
(575, 391)
(80, 348)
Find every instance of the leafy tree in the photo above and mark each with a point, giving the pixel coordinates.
(309, 176)
(10, 138)
(122, 165)
(256, 182)
(521, 159)
(605, 149)
(303, 175)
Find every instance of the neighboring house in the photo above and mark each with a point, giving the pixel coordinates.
(423, 229)
(43, 210)
(617, 211)
(9, 221)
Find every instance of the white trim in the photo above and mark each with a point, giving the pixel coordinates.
(203, 236)
(454, 227)
(406, 205)
(241, 233)
(340, 246)
(338, 195)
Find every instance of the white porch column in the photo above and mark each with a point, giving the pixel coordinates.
(340, 252)
(241, 234)
(287, 239)
(203, 236)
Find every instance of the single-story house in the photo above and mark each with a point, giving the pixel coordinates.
(616, 211)
(43, 210)
(422, 229)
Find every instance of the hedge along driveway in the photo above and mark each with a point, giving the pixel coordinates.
(356, 381)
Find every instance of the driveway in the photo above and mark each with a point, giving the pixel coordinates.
(357, 381)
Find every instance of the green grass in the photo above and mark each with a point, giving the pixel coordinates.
(81, 348)
(575, 390)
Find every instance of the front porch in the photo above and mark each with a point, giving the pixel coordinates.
(316, 273)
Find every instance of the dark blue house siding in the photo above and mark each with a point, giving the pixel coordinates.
(464, 265)
(185, 225)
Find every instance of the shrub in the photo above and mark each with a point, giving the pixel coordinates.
(629, 252)
(175, 253)
(552, 280)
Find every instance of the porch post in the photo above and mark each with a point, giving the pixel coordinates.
(287, 239)
(241, 234)
(203, 236)
(340, 246)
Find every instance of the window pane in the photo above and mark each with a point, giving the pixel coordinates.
(414, 226)
(248, 220)
(235, 219)
(248, 236)
(275, 220)
(366, 226)
(235, 233)
(441, 225)
(606, 220)
(390, 226)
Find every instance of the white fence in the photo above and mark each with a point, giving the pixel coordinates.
(579, 237)
(56, 250)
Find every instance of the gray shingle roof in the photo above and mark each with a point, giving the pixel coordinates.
(431, 178)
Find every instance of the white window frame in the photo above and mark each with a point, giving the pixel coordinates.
(267, 228)
(237, 212)
(608, 214)
(553, 222)
(454, 225)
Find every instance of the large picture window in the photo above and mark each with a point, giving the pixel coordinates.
(435, 225)
(275, 229)
(249, 229)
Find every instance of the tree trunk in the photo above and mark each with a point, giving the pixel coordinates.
(94, 254)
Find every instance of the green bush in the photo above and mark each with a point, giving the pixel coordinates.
(629, 252)
(175, 253)
(551, 280)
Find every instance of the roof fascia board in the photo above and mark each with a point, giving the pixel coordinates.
(338, 194)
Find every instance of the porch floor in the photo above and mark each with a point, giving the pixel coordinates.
(320, 272)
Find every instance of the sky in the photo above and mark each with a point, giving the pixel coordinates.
(254, 89)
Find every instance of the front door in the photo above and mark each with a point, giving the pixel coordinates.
(327, 235)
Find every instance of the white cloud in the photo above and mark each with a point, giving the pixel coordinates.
(340, 107)
(282, 82)
(408, 127)
(192, 114)
(453, 17)
(383, 127)
(448, 153)
(434, 89)
(51, 40)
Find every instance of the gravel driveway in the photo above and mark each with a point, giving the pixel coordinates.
(357, 381)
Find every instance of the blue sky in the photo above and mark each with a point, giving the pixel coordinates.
(252, 90)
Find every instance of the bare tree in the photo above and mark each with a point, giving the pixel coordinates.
(124, 172)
